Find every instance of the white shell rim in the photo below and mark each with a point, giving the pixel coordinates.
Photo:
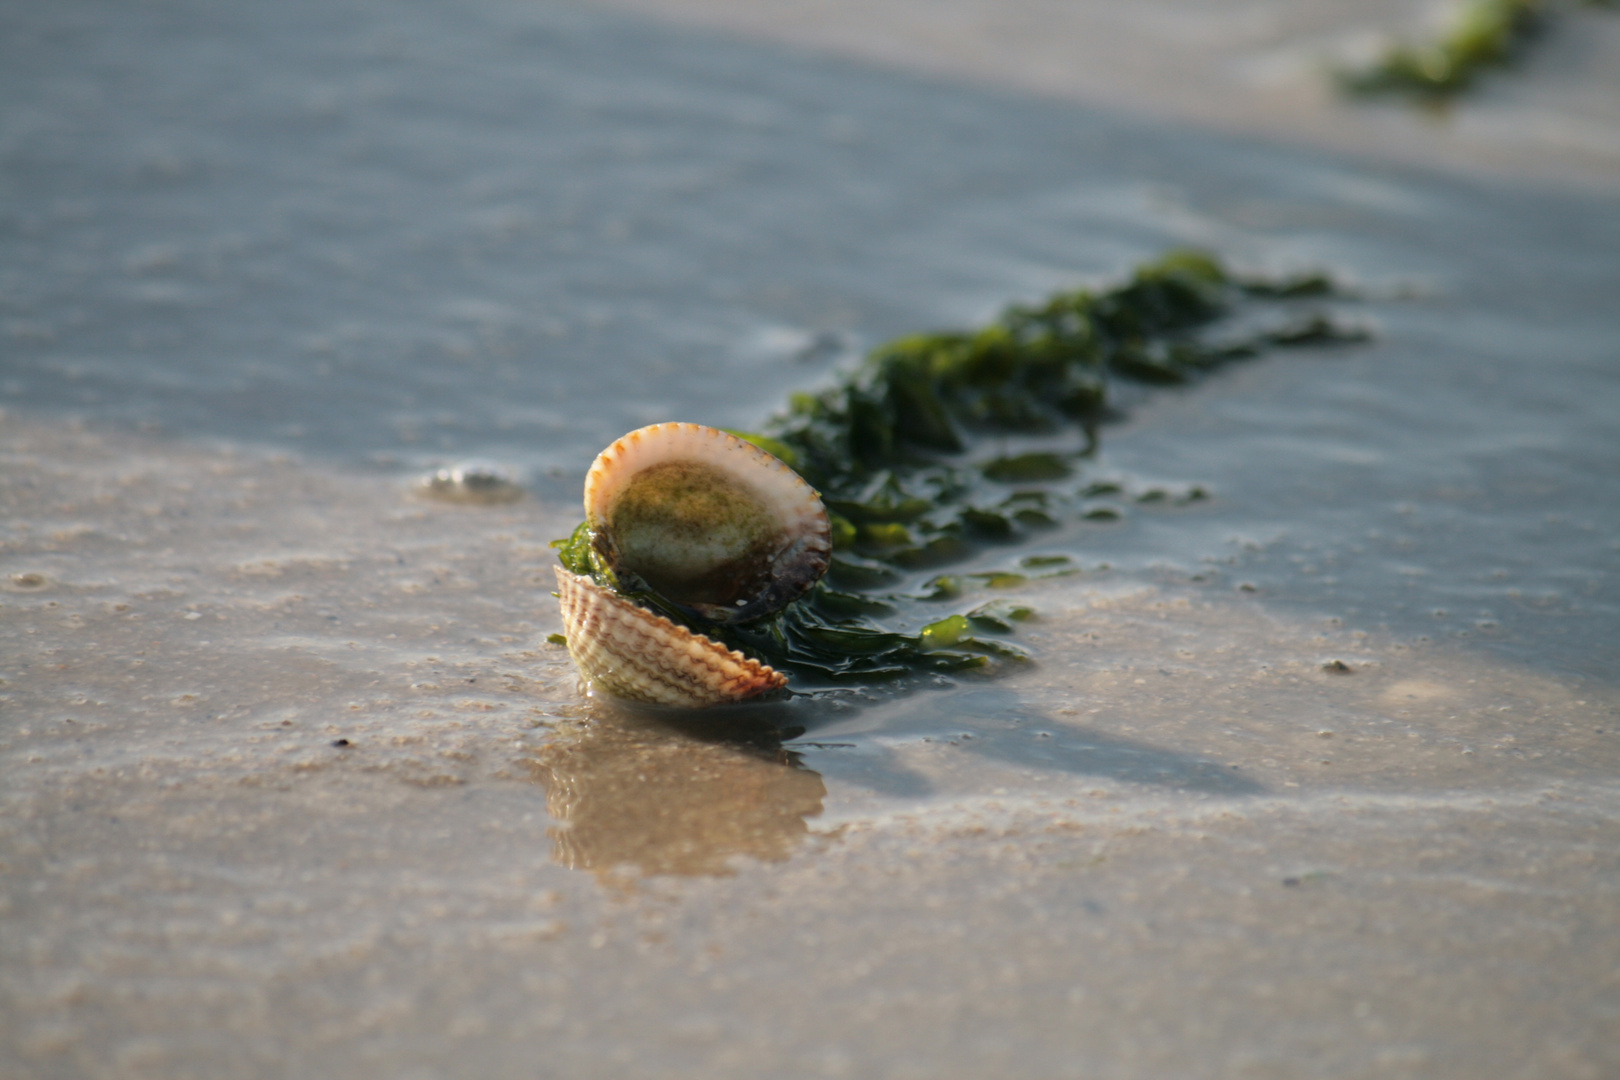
(794, 502)
(784, 490)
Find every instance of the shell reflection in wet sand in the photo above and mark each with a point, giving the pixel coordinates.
(683, 794)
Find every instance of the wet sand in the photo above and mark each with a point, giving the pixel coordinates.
(333, 812)
(1313, 777)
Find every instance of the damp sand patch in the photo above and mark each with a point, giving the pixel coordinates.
(356, 818)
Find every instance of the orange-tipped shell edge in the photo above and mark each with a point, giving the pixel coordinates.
(638, 654)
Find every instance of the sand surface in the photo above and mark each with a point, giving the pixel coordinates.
(1314, 777)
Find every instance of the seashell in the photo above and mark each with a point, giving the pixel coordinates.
(715, 526)
(470, 482)
(638, 654)
(711, 522)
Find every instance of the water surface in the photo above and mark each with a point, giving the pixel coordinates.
(293, 784)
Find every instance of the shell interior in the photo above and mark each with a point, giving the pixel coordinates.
(707, 520)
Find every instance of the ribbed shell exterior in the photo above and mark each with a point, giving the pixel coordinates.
(638, 654)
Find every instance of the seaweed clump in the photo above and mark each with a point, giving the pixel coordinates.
(897, 449)
(1486, 34)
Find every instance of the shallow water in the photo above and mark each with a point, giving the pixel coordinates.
(292, 783)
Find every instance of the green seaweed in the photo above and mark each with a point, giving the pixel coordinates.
(1000, 615)
(1485, 34)
(896, 449)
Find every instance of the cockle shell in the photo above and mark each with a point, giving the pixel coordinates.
(715, 526)
(712, 522)
(638, 654)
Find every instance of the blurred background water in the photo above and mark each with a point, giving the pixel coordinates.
(379, 240)
(279, 739)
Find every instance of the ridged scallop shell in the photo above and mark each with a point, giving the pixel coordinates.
(638, 654)
(715, 526)
(713, 523)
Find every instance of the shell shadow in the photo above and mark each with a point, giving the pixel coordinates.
(998, 725)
